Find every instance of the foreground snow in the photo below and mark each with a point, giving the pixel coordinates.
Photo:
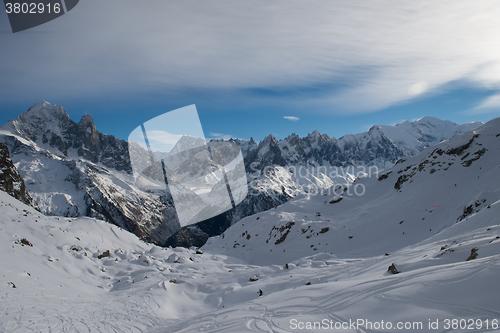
(61, 285)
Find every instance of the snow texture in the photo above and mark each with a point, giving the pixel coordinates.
(315, 257)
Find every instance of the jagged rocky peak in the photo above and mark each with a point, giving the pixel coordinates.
(10, 179)
(34, 124)
(270, 139)
(316, 138)
(48, 125)
(267, 152)
(45, 110)
(87, 122)
(376, 133)
(314, 135)
(268, 145)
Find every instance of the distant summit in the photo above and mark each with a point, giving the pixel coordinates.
(413, 137)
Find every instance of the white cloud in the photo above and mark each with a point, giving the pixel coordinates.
(489, 105)
(220, 136)
(418, 88)
(376, 49)
(291, 118)
(162, 141)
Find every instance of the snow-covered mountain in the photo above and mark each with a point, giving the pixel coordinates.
(48, 127)
(414, 137)
(319, 259)
(381, 146)
(70, 169)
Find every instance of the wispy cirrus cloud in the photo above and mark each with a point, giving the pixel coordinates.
(367, 55)
(213, 135)
(291, 118)
(489, 105)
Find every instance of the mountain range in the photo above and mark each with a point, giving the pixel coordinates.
(70, 169)
(381, 146)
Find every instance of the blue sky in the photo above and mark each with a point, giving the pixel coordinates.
(258, 68)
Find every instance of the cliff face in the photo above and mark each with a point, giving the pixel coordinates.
(10, 180)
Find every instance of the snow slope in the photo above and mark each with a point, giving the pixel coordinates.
(309, 270)
(415, 200)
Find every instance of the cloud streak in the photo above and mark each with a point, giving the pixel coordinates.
(490, 105)
(221, 136)
(291, 118)
(368, 55)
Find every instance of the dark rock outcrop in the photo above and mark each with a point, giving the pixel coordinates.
(10, 180)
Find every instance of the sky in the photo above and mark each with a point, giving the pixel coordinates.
(254, 68)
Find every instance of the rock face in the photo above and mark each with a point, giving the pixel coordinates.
(10, 180)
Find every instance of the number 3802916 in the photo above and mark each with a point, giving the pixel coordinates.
(32, 8)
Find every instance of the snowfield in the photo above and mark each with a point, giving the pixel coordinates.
(321, 261)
